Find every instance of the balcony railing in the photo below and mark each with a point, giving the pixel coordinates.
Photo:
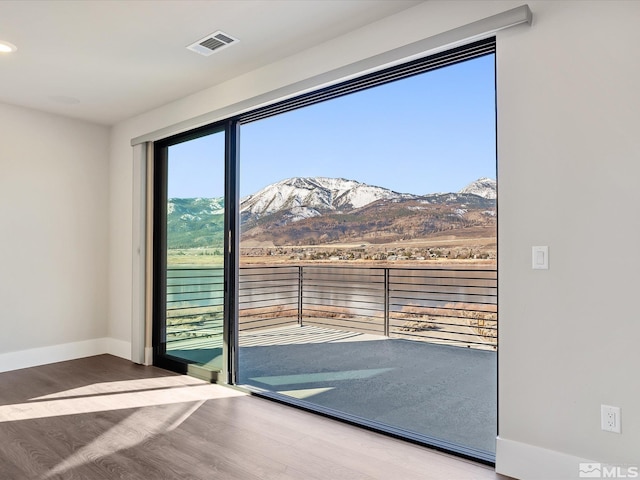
(448, 305)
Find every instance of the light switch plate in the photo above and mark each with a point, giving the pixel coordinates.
(540, 258)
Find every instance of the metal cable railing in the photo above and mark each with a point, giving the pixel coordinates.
(452, 305)
(195, 303)
(268, 297)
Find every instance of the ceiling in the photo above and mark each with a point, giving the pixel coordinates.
(107, 60)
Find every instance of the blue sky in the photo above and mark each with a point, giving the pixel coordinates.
(433, 132)
(196, 168)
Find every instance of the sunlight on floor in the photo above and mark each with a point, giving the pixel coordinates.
(137, 394)
(162, 404)
(124, 386)
(140, 426)
(320, 376)
(305, 392)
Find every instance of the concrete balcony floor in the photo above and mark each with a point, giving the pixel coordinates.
(440, 391)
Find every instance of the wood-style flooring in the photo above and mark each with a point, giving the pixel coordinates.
(106, 418)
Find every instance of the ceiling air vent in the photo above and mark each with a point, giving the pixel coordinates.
(212, 43)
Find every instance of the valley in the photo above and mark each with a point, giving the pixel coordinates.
(322, 220)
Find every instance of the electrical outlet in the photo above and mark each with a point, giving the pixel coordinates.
(610, 418)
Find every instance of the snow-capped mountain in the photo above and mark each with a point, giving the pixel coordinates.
(483, 187)
(299, 198)
(300, 211)
(311, 211)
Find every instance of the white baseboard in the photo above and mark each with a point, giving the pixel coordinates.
(118, 348)
(63, 352)
(527, 462)
(148, 356)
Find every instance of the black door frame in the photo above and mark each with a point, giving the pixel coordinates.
(230, 128)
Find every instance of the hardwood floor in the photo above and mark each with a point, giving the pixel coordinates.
(106, 418)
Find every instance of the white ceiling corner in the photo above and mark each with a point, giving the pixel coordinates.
(104, 61)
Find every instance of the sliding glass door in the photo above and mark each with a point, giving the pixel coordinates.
(365, 285)
(190, 246)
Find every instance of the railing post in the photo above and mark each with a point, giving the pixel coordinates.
(300, 282)
(386, 302)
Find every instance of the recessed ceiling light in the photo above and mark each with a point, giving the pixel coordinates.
(6, 47)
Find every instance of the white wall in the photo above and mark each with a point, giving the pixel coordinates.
(53, 246)
(569, 164)
(569, 153)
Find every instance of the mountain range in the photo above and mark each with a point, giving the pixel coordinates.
(300, 198)
(195, 222)
(321, 210)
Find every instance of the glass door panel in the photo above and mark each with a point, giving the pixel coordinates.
(368, 279)
(194, 216)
